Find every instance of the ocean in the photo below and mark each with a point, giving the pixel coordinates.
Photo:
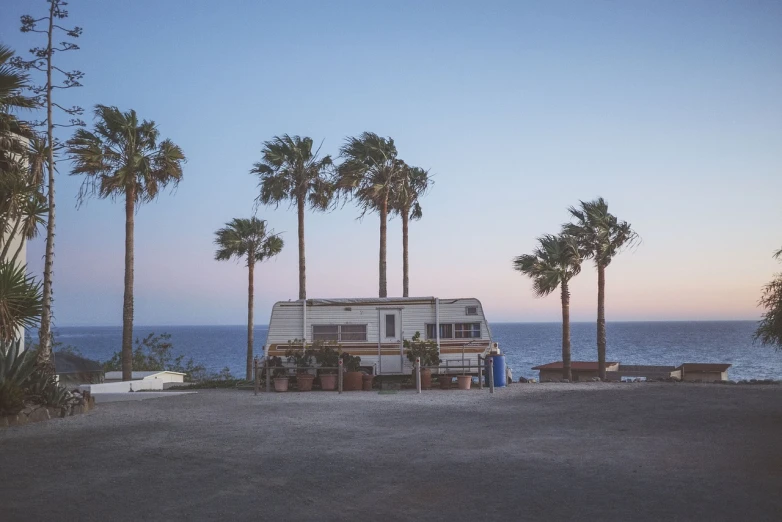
(524, 344)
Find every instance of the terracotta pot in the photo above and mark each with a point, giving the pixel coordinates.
(305, 382)
(464, 381)
(445, 382)
(368, 382)
(426, 378)
(328, 381)
(281, 384)
(352, 381)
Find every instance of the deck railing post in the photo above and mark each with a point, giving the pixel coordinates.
(418, 374)
(268, 374)
(480, 371)
(339, 378)
(256, 377)
(491, 374)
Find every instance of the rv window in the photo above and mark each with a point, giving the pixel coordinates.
(339, 332)
(446, 331)
(467, 330)
(391, 326)
(471, 310)
(353, 332)
(325, 332)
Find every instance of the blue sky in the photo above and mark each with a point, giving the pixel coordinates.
(669, 110)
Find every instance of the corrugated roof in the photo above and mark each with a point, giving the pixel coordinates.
(574, 365)
(371, 300)
(704, 367)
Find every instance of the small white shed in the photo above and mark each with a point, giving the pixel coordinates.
(163, 376)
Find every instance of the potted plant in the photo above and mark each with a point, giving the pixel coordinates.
(352, 379)
(464, 381)
(326, 356)
(445, 381)
(367, 381)
(279, 374)
(427, 351)
(301, 358)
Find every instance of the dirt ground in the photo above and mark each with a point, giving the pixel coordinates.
(531, 451)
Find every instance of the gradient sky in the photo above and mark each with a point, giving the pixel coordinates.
(670, 110)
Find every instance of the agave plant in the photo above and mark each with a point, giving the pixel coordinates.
(16, 366)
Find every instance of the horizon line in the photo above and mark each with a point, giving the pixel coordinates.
(266, 325)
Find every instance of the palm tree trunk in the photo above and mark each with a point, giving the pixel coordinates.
(302, 269)
(127, 305)
(10, 237)
(383, 291)
(45, 333)
(566, 373)
(405, 260)
(601, 321)
(250, 299)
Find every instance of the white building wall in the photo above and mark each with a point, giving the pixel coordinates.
(22, 258)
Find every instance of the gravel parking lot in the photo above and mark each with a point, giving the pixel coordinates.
(535, 451)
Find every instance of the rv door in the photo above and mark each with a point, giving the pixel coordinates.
(390, 341)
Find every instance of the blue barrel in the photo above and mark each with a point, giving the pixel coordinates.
(499, 370)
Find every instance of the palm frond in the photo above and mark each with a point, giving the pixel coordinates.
(290, 170)
(555, 260)
(246, 239)
(123, 155)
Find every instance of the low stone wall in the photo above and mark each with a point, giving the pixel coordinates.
(37, 413)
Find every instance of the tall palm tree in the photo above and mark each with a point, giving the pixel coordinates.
(290, 169)
(247, 239)
(412, 185)
(601, 237)
(124, 157)
(370, 173)
(555, 261)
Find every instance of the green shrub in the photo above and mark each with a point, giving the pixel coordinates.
(350, 363)
(155, 353)
(426, 350)
(326, 355)
(299, 356)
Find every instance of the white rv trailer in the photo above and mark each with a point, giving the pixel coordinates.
(375, 328)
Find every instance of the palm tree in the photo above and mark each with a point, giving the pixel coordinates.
(290, 169)
(13, 82)
(247, 239)
(413, 184)
(20, 301)
(601, 236)
(370, 173)
(124, 157)
(555, 261)
(19, 183)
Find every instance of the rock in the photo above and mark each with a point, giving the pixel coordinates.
(38, 415)
(595, 379)
(523, 380)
